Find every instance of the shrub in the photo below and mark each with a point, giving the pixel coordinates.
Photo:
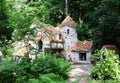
(45, 78)
(8, 72)
(44, 68)
(49, 64)
(51, 78)
(107, 67)
(23, 70)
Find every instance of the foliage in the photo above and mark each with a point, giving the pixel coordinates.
(52, 78)
(83, 31)
(104, 20)
(100, 20)
(49, 11)
(102, 81)
(107, 68)
(96, 56)
(20, 18)
(49, 64)
(45, 78)
(23, 70)
(5, 31)
(6, 49)
(43, 69)
(8, 70)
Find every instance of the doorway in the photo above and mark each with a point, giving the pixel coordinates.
(40, 46)
(82, 56)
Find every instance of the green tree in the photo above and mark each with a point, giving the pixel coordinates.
(20, 18)
(100, 17)
(104, 20)
(49, 11)
(5, 30)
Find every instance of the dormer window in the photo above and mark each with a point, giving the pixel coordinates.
(68, 31)
(60, 36)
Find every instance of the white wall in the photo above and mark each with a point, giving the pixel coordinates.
(88, 54)
(75, 57)
(70, 39)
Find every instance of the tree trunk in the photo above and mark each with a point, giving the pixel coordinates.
(66, 3)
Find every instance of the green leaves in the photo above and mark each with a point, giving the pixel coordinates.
(84, 32)
(104, 19)
(50, 64)
(43, 69)
(107, 67)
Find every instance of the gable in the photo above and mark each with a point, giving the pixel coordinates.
(68, 21)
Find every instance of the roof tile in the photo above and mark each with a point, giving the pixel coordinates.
(82, 46)
(112, 47)
(68, 21)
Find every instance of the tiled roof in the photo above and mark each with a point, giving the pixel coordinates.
(112, 47)
(68, 21)
(82, 46)
(58, 41)
(53, 30)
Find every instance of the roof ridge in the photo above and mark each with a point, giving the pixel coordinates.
(68, 21)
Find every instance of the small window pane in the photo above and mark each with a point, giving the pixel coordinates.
(68, 31)
(60, 36)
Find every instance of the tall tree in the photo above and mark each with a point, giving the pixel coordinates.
(5, 30)
(105, 20)
(20, 18)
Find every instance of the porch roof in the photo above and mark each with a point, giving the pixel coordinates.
(82, 46)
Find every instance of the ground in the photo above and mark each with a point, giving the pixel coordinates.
(80, 73)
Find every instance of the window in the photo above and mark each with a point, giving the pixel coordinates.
(82, 56)
(40, 45)
(60, 36)
(68, 31)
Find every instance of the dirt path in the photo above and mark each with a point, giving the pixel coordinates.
(80, 72)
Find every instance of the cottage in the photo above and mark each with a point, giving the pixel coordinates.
(63, 40)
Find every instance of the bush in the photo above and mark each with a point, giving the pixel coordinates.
(45, 78)
(42, 69)
(23, 70)
(51, 78)
(49, 64)
(107, 68)
(8, 72)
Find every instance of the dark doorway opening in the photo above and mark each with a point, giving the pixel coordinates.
(40, 46)
(82, 56)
